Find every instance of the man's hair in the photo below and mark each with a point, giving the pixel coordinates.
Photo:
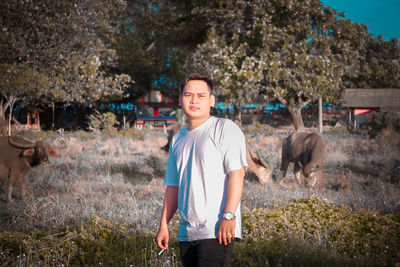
(197, 77)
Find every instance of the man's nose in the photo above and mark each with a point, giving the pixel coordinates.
(194, 99)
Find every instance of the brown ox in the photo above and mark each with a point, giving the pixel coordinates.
(308, 152)
(18, 156)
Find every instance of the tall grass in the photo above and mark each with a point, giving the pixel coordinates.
(100, 203)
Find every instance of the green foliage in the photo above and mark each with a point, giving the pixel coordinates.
(96, 242)
(21, 80)
(375, 123)
(288, 252)
(37, 135)
(293, 51)
(153, 41)
(103, 121)
(110, 120)
(133, 133)
(70, 46)
(109, 132)
(306, 232)
(82, 135)
(322, 224)
(379, 66)
(265, 129)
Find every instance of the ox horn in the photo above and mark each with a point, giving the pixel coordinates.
(261, 160)
(25, 144)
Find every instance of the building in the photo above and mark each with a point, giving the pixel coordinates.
(362, 101)
(155, 109)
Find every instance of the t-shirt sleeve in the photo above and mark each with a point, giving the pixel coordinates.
(171, 175)
(233, 146)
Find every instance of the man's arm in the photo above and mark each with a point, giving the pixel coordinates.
(169, 209)
(226, 231)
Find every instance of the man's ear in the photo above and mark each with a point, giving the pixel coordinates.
(212, 101)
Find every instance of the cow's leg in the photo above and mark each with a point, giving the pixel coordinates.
(297, 173)
(11, 182)
(284, 167)
(21, 183)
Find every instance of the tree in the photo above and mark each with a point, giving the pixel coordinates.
(68, 42)
(153, 41)
(16, 82)
(379, 65)
(235, 71)
(290, 44)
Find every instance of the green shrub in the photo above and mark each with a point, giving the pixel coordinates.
(133, 133)
(110, 120)
(82, 135)
(98, 121)
(37, 135)
(323, 225)
(98, 242)
(305, 232)
(109, 132)
(265, 129)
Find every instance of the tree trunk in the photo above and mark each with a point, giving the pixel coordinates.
(28, 119)
(297, 119)
(13, 100)
(295, 111)
(320, 126)
(3, 122)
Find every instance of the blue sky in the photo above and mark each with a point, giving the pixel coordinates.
(381, 16)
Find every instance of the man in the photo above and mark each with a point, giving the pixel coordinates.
(204, 179)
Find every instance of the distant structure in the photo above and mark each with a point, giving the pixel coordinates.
(362, 101)
(155, 109)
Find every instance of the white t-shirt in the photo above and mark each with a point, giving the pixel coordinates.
(199, 164)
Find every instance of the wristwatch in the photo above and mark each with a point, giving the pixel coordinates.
(229, 216)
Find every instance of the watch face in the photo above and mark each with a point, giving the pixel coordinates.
(228, 216)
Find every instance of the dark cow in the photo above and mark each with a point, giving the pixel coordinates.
(256, 163)
(171, 134)
(18, 156)
(308, 152)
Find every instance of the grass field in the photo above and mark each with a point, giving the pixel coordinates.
(100, 204)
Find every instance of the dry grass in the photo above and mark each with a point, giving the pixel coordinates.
(120, 179)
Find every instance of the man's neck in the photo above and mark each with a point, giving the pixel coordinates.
(194, 123)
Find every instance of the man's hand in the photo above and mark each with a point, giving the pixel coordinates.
(162, 238)
(226, 231)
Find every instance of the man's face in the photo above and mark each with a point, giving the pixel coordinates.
(196, 100)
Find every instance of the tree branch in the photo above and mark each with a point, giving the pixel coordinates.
(282, 100)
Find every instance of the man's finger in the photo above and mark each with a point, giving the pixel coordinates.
(225, 237)
(229, 238)
(162, 243)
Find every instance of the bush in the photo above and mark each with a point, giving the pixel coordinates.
(100, 121)
(305, 232)
(315, 224)
(265, 129)
(98, 242)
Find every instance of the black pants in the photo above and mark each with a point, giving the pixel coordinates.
(205, 253)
